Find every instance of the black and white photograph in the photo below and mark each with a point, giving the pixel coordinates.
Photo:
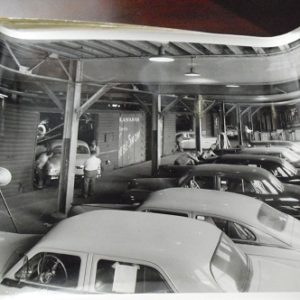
(150, 148)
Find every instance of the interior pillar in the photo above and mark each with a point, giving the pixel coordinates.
(239, 124)
(198, 125)
(70, 135)
(223, 114)
(156, 145)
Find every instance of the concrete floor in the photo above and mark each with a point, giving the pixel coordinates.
(32, 211)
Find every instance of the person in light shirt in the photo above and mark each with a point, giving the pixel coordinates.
(92, 169)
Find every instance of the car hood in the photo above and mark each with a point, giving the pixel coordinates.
(56, 159)
(12, 248)
(275, 275)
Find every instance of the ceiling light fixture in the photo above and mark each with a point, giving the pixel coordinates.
(191, 72)
(161, 57)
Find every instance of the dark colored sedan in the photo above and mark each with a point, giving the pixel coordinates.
(252, 181)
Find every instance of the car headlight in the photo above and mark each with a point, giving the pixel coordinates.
(52, 170)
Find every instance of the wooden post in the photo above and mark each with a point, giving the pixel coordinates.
(239, 123)
(198, 125)
(70, 135)
(223, 117)
(156, 145)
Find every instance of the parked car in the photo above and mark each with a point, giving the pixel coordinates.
(231, 131)
(246, 221)
(252, 181)
(279, 167)
(103, 252)
(52, 168)
(188, 141)
(282, 152)
(287, 144)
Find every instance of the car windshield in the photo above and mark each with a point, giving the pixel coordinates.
(275, 183)
(272, 218)
(290, 156)
(230, 266)
(82, 150)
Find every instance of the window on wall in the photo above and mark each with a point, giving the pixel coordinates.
(119, 277)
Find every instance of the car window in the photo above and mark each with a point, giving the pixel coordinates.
(205, 182)
(173, 213)
(236, 185)
(119, 277)
(263, 187)
(229, 267)
(82, 150)
(51, 269)
(234, 230)
(272, 218)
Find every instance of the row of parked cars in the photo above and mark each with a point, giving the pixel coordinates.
(214, 227)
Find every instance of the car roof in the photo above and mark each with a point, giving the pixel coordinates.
(271, 149)
(272, 142)
(57, 142)
(254, 157)
(223, 204)
(155, 238)
(247, 172)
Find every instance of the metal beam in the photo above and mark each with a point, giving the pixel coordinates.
(239, 123)
(256, 111)
(186, 106)
(209, 107)
(12, 54)
(170, 105)
(82, 109)
(156, 145)
(230, 109)
(51, 95)
(245, 110)
(142, 103)
(70, 135)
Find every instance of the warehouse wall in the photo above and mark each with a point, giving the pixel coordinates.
(17, 145)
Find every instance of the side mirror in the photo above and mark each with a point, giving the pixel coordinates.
(5, 177)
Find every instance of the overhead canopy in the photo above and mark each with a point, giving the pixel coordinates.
(232, 68)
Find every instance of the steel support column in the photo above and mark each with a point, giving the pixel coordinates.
(198, 126)
(156, 145)
(239, 123)
(70, 135)
(223, 115)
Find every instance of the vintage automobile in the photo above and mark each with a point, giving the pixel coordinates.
(166, 254)
(231, 131)
(282, 152)
(252, 181)
(279, 167)
(277, 143)
(52, 168)
(245, 221)
(188, 141)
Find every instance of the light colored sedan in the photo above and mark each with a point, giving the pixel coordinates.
(54, 163)
(133, 252)
(245, 220)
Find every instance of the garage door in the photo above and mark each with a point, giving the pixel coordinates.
(17, 145)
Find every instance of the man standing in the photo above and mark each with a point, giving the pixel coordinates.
(92, 169)
(40, 165)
